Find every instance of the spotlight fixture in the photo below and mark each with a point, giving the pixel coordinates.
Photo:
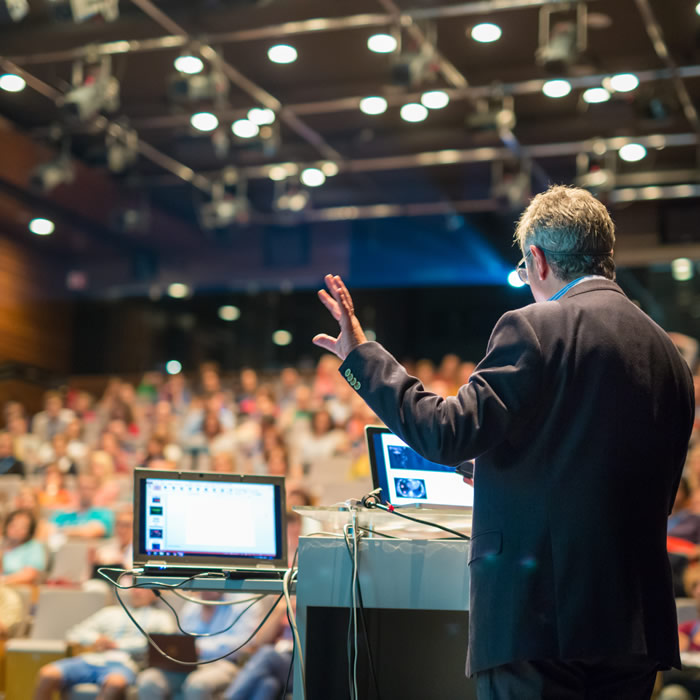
(329, 168)
(486, 32)
(245, 129)
(282, 53)
(624, 82)
(414, 112)
(122, 146)
(435, 99)
(410, 69)
(312, 177)
(596, 95)
(556, 88)
(178, 290)
(225, 209)
(229, 313)
(12, 83)
(13, 10)
(373, 105)
(204, 121)
(81, 10)
(173, 367)
(492, 115)
(697, 9)
(49, 175)
(561, 44)
(632, 152)
(682, 269)
(42, 227)
(198, 88)
(97, 92)
(277, 173)
(261, 116)
(189, 64)
(382, 43)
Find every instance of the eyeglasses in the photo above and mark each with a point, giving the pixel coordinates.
(521, 269)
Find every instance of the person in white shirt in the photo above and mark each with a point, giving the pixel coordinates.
(118, 646)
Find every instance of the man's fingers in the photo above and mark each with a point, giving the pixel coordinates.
(345, 297)
(330, 303)
(325, 341)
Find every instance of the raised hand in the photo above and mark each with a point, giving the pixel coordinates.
(339, 303)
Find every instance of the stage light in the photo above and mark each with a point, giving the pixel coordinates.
(298, 201)
(624, 82)
(632, 152)
(413, 112)
(697, 8)
(177, 290)
(173, 367)
(229, 313)
(211, 86)
(49, 175)
(596, 95)
(382, 43)
(12, 83)
(486, 32)
(312, 177)
(556, 88)
(282, 53)
(245, 129)
(81, 10)
(329, 168)
(42, 227)
(281, 337)
(204, 121)
(191, 65)
(13, 10)
(261, 116)
(514, 279)
(682, 269)
(373, 105)
(277, 173)
(435, 99)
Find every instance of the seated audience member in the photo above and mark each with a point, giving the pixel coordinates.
(209, 680)
(108, 442)
(28, 499)
(117, 644)
(87, 520)
(9, 464)
(76, 447)
(685, 684)
(26, 445)
(101, 466)
(53, 419)
(56, 452)
(322, 442)
(223, 462)
(55, 495)
(683, 524)
(23, 557)
(118, 551)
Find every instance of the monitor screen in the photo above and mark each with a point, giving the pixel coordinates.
(407, 478)
(209, 518)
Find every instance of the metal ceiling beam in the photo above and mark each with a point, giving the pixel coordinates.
(278, 31)
(248, 86)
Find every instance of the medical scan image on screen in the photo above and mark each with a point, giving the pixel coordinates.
(406, 477)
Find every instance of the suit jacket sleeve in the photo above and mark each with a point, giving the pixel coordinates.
(500, 394)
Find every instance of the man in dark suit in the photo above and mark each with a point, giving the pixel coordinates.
(579, 417)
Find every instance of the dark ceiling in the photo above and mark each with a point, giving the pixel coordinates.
(388, 167)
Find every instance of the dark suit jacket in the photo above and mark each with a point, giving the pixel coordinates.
(579, 416)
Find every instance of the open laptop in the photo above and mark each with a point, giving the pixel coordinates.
(193, 522)
(406, 478)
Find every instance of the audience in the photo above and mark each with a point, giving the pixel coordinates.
(9, 464)
(87, 520)
(23, 557)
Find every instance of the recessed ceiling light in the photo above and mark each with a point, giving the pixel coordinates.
(486, 32)
(373, 105)
(173, 367)
(435, 99)
(204, 121)
(189, 64)
(42, 227)
(282, 53)
(632, 152)
(177, 290)
(414, 112)
(329, 168)
(595, 95)
(12, 83)
(298, 200)
(682, 269)
(312, 177)
(382, 43)
(281, 337)
(697, 8)
(556, 88)
(624, 82)
(229, 313)
(245, 129)
(261, 116)
(277, 173)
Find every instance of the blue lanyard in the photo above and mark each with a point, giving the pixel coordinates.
(571, 284)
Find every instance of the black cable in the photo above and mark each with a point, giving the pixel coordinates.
(362, 616)
(376, 532)
(392, 510)
(294, 639)
(171, 658)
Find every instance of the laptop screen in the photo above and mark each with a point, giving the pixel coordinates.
(407, 478)
(215, 518)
